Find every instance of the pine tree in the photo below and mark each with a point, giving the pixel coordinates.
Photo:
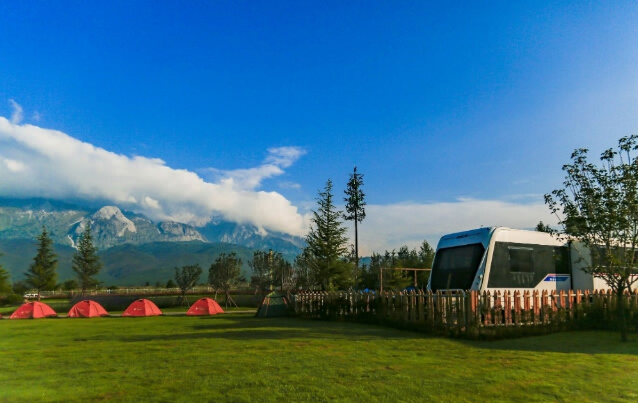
(42, 273)
(327, 244)
(86, 263)
(355, 208)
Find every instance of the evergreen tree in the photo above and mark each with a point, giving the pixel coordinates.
(327, 244)
(86, 263)
(42, 273)
(355, 208)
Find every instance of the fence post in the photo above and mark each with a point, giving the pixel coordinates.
(537, 306)
(508, 307)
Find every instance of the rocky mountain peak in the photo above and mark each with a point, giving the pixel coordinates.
(112, 217)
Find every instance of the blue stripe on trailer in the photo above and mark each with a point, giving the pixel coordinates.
(555, 278)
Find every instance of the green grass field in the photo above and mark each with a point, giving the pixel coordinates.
(237, 358)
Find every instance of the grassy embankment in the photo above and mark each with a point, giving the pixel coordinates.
(237, 358)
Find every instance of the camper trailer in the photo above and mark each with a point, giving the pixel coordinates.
(500, 259)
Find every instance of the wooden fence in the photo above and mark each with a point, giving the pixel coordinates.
(471, 314)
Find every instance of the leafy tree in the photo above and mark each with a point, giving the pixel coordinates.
(186, 278)
(70, 285)
(540, 227)
(20, 287)
(42, 273)
(426, 258)
(270, 269)
(327, 244)
(86, 263)
(404, 258)
(225, 273)
(261, 265)
(355, 208)
(5, 283)
(303, 272)
(170, 283)
(599, 207)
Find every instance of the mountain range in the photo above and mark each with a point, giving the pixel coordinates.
(133, 248)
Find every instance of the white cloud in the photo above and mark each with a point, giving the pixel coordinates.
(60, 166)
(17, 115)
(251, 178)
(284, 156)
(289, 185)
(392, 226)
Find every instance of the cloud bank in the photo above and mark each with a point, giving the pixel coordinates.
(38, 162)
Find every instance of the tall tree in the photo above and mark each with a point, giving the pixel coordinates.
(355, 208)
(186, 278)
(225, 273)
(86, 262)
(42, 273)
(598, 206)
(327, 244)
(5, 283)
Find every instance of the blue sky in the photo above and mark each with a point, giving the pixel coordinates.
(458, 115)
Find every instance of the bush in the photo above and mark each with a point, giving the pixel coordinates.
(12, 299)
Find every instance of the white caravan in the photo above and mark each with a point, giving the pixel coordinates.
(499, 259)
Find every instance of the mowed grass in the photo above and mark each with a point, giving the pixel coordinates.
(237, 358)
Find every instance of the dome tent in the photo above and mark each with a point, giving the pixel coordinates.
(273, 305)
(33, 310)
(205, 306)
(87, 309)
(142, 307)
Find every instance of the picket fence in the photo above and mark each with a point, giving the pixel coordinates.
(471, 313)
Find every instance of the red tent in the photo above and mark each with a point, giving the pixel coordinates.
(142, 307)
(205, 306)
(87, 309)
(33, 310)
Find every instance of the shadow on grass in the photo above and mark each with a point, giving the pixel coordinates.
(250, 328)
(579, 342)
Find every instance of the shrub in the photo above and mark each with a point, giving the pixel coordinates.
(12, 299)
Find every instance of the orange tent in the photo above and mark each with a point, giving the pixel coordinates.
(205, 306)
(87, 309)
(142, 307)
(33, 310)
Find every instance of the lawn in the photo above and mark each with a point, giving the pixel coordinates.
(237, 358)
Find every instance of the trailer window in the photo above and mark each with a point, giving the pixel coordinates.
(455, 268)
(521, 259)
